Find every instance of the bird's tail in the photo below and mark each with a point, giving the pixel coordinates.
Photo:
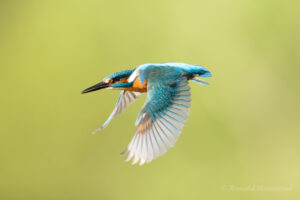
(200, 81)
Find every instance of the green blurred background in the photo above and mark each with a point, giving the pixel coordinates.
(240, 142)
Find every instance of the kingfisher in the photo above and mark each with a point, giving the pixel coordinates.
(165, 112)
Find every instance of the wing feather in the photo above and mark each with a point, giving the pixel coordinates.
(161, 121)
(125, 99)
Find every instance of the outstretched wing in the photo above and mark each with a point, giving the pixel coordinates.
(161, 120)
(126, 98)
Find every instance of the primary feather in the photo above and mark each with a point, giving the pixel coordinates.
(161, 120)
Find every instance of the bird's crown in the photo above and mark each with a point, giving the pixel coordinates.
(115, 77)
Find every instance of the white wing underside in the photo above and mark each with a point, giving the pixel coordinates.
(161, 134)
(126, 98)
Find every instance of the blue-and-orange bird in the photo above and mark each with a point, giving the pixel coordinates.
(167, 106)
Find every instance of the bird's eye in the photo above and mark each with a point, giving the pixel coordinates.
(116, 79)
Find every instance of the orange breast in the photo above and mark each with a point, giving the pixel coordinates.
(138, 86)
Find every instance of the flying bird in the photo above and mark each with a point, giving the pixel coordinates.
(166, 109)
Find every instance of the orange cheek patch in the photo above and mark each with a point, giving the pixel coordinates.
(124, 80)
(138, 86)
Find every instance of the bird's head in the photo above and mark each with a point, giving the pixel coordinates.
(109, 81)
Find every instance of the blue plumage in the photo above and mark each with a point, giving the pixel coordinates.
(120, 75)
(122, 85)
(166, 110)
(171, 70)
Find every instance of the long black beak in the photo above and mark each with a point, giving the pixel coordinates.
(98, 86)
